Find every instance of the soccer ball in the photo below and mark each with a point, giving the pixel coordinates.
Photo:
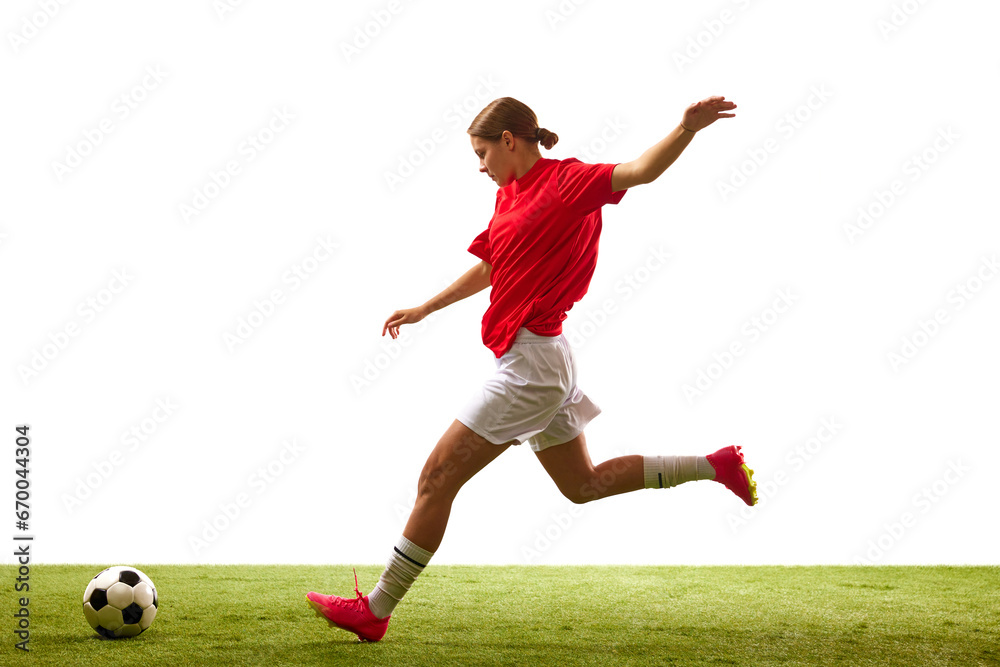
(120, 602)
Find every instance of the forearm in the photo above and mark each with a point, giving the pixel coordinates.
(473, 281)
(655, 161)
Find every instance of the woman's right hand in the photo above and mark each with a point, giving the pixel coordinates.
(400, 317)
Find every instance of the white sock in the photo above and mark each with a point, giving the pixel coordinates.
(406, 561)
(663, 472)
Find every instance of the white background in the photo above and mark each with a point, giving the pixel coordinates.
(834, 104)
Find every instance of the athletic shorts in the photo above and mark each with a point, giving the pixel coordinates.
(532, 396)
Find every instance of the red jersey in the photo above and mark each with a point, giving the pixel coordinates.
(542, 244)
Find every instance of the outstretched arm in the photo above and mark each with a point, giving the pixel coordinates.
(648, 167)
(472, 281)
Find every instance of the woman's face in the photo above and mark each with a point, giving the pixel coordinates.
(496, 159)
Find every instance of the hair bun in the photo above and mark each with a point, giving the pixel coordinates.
(546, 138)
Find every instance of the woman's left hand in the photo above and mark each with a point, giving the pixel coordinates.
(700, 115)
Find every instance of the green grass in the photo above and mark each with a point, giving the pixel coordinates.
(463, 615)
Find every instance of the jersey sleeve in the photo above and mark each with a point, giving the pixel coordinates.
(481, 246)
(586, 187)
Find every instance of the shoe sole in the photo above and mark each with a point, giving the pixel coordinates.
(318, 609)
(751, 484)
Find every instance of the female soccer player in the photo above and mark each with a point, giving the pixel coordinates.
(538, 254)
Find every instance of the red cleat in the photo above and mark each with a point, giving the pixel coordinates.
(351, 615)
(731, 470)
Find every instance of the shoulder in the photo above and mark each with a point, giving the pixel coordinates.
(572, 165)
(573, 170)
(565, 163)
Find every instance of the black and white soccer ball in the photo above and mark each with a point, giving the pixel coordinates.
(120, 602)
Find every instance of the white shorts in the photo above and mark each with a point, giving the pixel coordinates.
(532, 396)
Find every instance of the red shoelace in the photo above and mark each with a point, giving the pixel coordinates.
(351, 604)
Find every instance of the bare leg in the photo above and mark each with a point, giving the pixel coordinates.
(570, 467)
(457, 457)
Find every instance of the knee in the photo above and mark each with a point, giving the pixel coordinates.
(438, 478)
(577, 497)
(586, 485)
(579, 493)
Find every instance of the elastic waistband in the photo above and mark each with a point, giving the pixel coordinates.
(525, 336)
